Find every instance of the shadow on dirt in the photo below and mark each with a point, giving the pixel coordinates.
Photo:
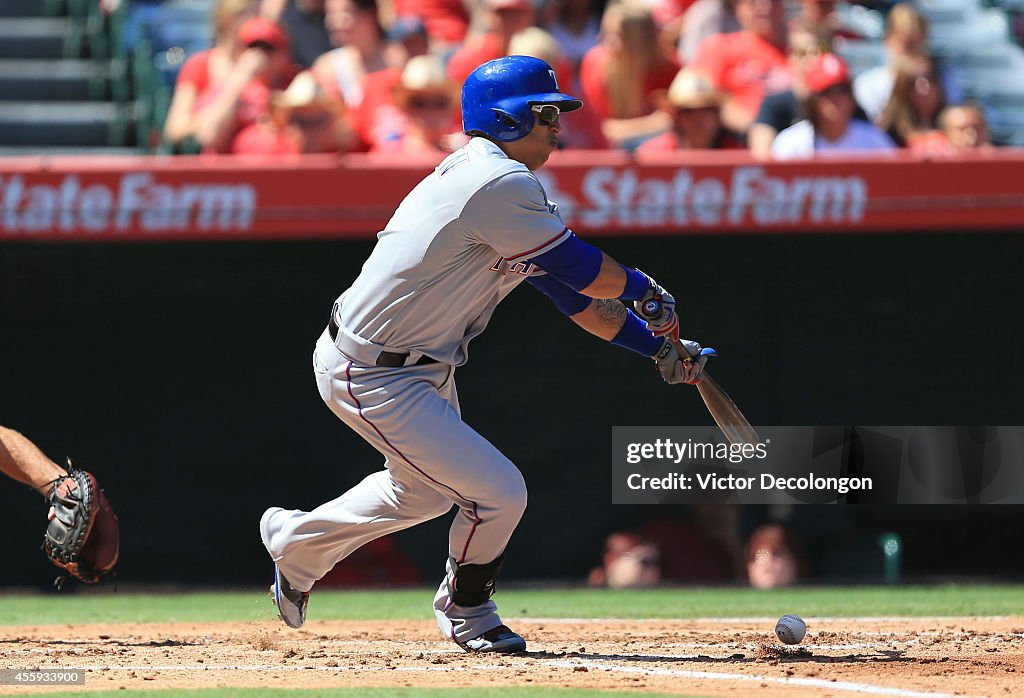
(785, 656)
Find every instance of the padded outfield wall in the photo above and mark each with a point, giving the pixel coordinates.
(180, 372)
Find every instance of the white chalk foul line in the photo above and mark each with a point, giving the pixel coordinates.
(721, 676)
(847, 686)
(766, 619)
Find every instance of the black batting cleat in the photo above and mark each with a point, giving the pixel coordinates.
(500, 639)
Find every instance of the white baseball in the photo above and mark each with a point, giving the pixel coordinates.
(791, 629)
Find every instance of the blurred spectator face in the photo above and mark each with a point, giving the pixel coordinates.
(317, 128)
(699, 125)
(965, 128)
(827, 79)
(834, 105)
(313, 119)
(427, 98)
(261, 34)
(906, 32)
(348, 21)
(431, 109)
(694, 106)
(803, 46)
(769, 568)
(631, 563)
(771, 561)
(761, 17)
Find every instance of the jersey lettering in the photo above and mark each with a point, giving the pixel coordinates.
(503, 267)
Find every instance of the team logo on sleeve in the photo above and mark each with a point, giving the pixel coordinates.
(503, 267)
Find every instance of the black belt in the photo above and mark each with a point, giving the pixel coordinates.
(387, 359)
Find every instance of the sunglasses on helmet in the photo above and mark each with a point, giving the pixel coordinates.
(548, 113)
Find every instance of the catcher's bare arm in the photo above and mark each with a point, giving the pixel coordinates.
(21, 460)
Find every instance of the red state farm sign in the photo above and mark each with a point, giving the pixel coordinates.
(133, 202)
(684, 198)
(599, 193)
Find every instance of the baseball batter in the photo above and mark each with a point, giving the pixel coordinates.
(475, 228)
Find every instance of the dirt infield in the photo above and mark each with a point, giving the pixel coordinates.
(717, 657)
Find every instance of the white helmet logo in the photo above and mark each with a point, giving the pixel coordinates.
(554, 79)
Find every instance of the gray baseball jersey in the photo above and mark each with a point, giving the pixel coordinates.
(458, 244)
(454, 248)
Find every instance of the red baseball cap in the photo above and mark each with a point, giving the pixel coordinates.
(262, 30)
(825, 71)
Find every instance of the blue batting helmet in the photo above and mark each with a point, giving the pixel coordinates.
(497, 96)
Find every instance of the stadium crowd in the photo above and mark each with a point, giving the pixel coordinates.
(383, 76)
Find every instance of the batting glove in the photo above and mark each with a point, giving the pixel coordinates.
(658, 308)
(675, 369)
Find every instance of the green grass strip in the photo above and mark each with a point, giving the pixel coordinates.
(517, 692)
(951, 600)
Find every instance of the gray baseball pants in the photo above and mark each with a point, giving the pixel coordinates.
(432, 460)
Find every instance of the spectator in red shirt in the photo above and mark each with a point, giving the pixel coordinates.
(207, 68)
(244, 96)
(302, 119)
(621, 75)
(502, 19)
(748, 64)
(693, 103)
(356, 30)
(911, 117)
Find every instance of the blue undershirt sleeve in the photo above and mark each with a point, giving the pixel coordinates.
(635, 336)
(573, 262)
(564, 298)
(637, 284)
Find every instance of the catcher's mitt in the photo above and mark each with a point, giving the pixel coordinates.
(82, 537)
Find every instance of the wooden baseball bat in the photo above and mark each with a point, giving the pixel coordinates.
(724, 411)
